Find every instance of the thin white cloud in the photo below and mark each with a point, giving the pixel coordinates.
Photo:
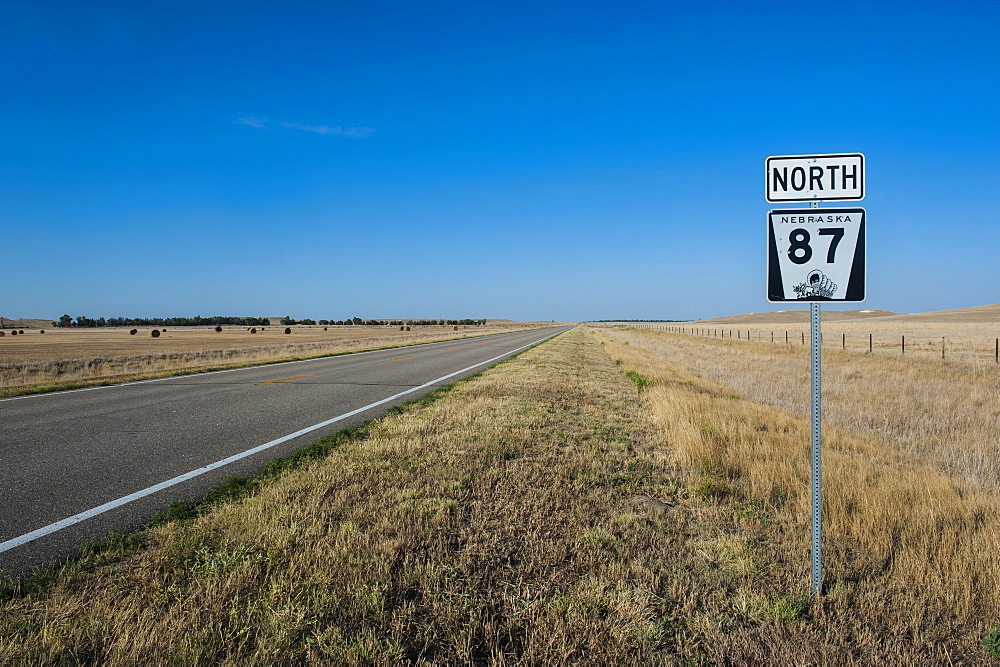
(353, 132)
(358, 132)
(253, 121)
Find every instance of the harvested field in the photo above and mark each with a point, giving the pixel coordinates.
(74, 357)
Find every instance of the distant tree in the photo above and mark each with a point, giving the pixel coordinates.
(356, 321)
(65, 321)
(287, 319)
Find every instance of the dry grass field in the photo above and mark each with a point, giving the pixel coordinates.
(60, 358)
(593, 500)
(911, 467)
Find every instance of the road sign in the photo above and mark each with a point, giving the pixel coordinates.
(816, 254)
(837, 177)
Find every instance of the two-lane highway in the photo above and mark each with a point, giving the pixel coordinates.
(75, 464)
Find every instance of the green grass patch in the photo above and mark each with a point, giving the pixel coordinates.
(640, 380)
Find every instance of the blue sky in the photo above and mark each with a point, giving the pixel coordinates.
(526, 160)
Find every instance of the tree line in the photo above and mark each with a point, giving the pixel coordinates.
(83, 321)
(357, 321)
(197, 320)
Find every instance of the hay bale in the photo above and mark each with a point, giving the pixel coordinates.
(155, 333)
(287, 330)
(407, 328)
(42, 331)
(253, 330)
(133, 332)
(324, 328)
(21, 331)
(218, 329)
(402, 328)
(2, 334)
(14, 332)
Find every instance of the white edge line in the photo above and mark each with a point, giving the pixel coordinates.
(124, 500)
(244, 368)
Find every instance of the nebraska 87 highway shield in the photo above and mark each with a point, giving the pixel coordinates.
(816, 254)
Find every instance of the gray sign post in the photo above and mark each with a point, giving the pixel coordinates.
(816, 408)
(816, 256)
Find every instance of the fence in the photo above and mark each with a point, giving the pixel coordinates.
(955, 348)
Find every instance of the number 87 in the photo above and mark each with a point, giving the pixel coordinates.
(799, 250)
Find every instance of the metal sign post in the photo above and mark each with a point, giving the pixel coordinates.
(817, 442)
(816, 257)
(816, 408)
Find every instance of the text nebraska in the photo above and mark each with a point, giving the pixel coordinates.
(814, 219)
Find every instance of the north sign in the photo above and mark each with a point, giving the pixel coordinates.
(837, 177)
(816, 254)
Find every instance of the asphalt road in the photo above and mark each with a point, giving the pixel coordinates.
(74, 465)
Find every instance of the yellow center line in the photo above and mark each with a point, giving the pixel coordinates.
(283, 379)
(398, 358)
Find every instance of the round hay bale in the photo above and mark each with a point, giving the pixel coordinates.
(407, 328)
(42, 331)
(164, 330)
(218, 329)
(456, 328)
(287, 330)
(324, 328)
(402, 328)
(155, 333)
(2, 334)
(21, 331)
(14, 332)
(253, 330)
(133, 332)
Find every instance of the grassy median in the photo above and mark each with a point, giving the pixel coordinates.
(542, 512)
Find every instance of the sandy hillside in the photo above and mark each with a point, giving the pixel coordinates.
(974, 314)
(801, 315)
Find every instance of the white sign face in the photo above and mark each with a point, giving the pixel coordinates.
(815, 177)
(816, 254)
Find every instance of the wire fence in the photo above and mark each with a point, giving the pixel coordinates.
(954, 348)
